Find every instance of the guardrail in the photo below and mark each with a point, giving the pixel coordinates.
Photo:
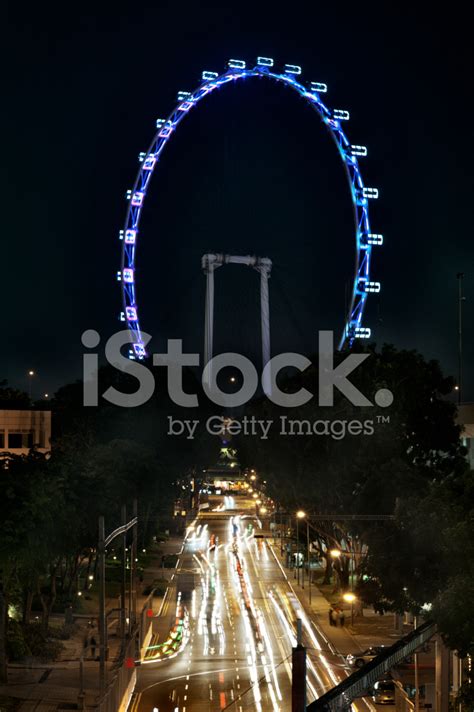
(123, 674)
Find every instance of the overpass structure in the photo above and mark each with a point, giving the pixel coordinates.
(358, 684)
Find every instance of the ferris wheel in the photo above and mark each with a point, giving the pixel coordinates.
(333, 119)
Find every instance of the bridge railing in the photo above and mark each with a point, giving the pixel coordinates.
(339, 699)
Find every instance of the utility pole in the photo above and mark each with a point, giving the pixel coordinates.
(298, 683)
(461, 299)
(133, 568)
(102, 651)
(309, 560)
(123, 587)
(103, 543)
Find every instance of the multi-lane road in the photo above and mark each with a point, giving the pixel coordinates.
(224, 636)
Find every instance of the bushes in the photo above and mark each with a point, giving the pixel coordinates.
(40, 644)
(17, 648)
(31, 641)
(63, 633)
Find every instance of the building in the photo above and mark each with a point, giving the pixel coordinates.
(20, 430)
(466, 420)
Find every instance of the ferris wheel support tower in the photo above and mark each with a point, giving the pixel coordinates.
(263, 265)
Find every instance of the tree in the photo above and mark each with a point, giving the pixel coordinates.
(389, 470)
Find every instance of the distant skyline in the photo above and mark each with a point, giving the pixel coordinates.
(251, 171)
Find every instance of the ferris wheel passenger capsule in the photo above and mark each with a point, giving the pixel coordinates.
(358, 150)
(361, 332)
(184, 95)
(209, 75)
(341, 114)
(236, 64)
(372, 287)
(374, 239)
(292, 69)
(265, 61)
(371, 193)
(319, 87)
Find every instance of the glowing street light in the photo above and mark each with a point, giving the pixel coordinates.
(263, 510)
(350, 598)
(31, 373)
(253, 478)
(299, 515)
(335, 553)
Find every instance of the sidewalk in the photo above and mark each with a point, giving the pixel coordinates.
(371, 629)
(54, 686)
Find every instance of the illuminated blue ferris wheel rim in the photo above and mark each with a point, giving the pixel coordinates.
(360, 194)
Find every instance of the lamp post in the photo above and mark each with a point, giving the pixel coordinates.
(31, 374)
(299, 515)
(461, 299)
(309, 560)
(350, 598)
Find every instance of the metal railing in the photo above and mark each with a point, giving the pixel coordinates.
(357, 685)
(122, 676)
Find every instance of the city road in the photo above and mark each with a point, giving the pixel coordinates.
(224, 638)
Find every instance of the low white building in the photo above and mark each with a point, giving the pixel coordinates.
(20, 430)
(466, 420)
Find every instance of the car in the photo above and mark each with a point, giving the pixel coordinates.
(358, 660)
(384, 692)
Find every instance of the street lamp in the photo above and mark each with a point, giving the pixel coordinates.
(263, 510)
(335, 553)
(299, 515)
(31, 373)
(350, 598)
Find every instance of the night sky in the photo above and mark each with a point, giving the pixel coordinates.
(251, 170)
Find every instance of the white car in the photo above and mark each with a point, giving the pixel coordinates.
(358, 660)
